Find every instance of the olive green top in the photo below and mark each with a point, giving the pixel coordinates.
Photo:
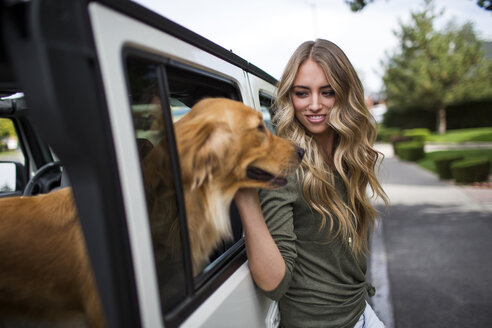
(324, 284)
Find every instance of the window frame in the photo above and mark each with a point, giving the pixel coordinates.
(163, 89)
(198, 289)
(271, 109)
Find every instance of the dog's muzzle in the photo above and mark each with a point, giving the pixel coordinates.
(255, 173)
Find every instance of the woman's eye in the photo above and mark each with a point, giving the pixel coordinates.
(328, 93)
(300, 94)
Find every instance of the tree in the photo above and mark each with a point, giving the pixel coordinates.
(358, 5)
(485, 4)
(6, 128)
(434, 69)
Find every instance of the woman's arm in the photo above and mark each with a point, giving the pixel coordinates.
(265, 261)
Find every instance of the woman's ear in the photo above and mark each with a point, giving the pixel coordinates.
(202, 146)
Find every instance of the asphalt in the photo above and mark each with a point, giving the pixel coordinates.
(430, 257)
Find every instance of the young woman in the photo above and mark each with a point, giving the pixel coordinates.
(307, 243)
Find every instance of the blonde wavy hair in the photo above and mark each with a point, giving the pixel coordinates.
(354, 158)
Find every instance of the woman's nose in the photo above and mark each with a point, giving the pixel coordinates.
(315, 103)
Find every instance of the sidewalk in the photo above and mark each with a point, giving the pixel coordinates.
(480, 196)
(429, 146)
(430, 257)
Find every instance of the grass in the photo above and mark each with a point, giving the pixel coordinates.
(463, 135)
(428, 161)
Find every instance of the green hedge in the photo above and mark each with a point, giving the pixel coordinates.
(471, 170)
(443, 165)
(421, 135)
(386, 134)
(397, 140)
(471, 114)
(409, 118)
(410, 151)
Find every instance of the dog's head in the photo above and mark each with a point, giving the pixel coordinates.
(226, 143)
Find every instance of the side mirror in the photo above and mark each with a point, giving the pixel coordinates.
(12, 176)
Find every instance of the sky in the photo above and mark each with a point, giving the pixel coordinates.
(266, 32)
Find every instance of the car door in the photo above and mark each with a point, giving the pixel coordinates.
(105, 81)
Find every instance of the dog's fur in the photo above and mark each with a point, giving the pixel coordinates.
(44, 268)
(220, 143)
(223, 145)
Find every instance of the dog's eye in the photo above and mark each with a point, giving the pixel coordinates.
(261, 127)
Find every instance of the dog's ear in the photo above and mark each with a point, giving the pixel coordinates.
(202, 146)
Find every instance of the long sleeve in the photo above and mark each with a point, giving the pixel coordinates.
(277, 207)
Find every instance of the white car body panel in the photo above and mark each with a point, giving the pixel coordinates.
(237, 300)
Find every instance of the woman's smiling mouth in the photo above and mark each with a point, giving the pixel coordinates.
(315, 118)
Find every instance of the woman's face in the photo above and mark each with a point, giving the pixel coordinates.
(313, 98)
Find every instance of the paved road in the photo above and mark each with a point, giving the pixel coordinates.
(431, 257)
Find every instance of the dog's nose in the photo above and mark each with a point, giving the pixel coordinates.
(300, 152)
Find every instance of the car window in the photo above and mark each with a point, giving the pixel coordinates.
(187, 86)
(159, 88)
(266, 108)
(150, 132)
(11, 157)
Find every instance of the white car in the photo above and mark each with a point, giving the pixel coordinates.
(91, 72)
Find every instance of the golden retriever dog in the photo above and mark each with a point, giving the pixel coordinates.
(223, 145)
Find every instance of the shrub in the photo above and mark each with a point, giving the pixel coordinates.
(443, 165)
(386, 134)
(420, 135)
(471, 170)
(470, 114)
(410, 150)
(396, 140)
(410, 118)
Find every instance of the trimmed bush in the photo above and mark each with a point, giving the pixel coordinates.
(396, 140)
(471, 170)
(410, 118)
(410, 151)
(470, 114)
(386, 134)
(443, 165)
(420, 135)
